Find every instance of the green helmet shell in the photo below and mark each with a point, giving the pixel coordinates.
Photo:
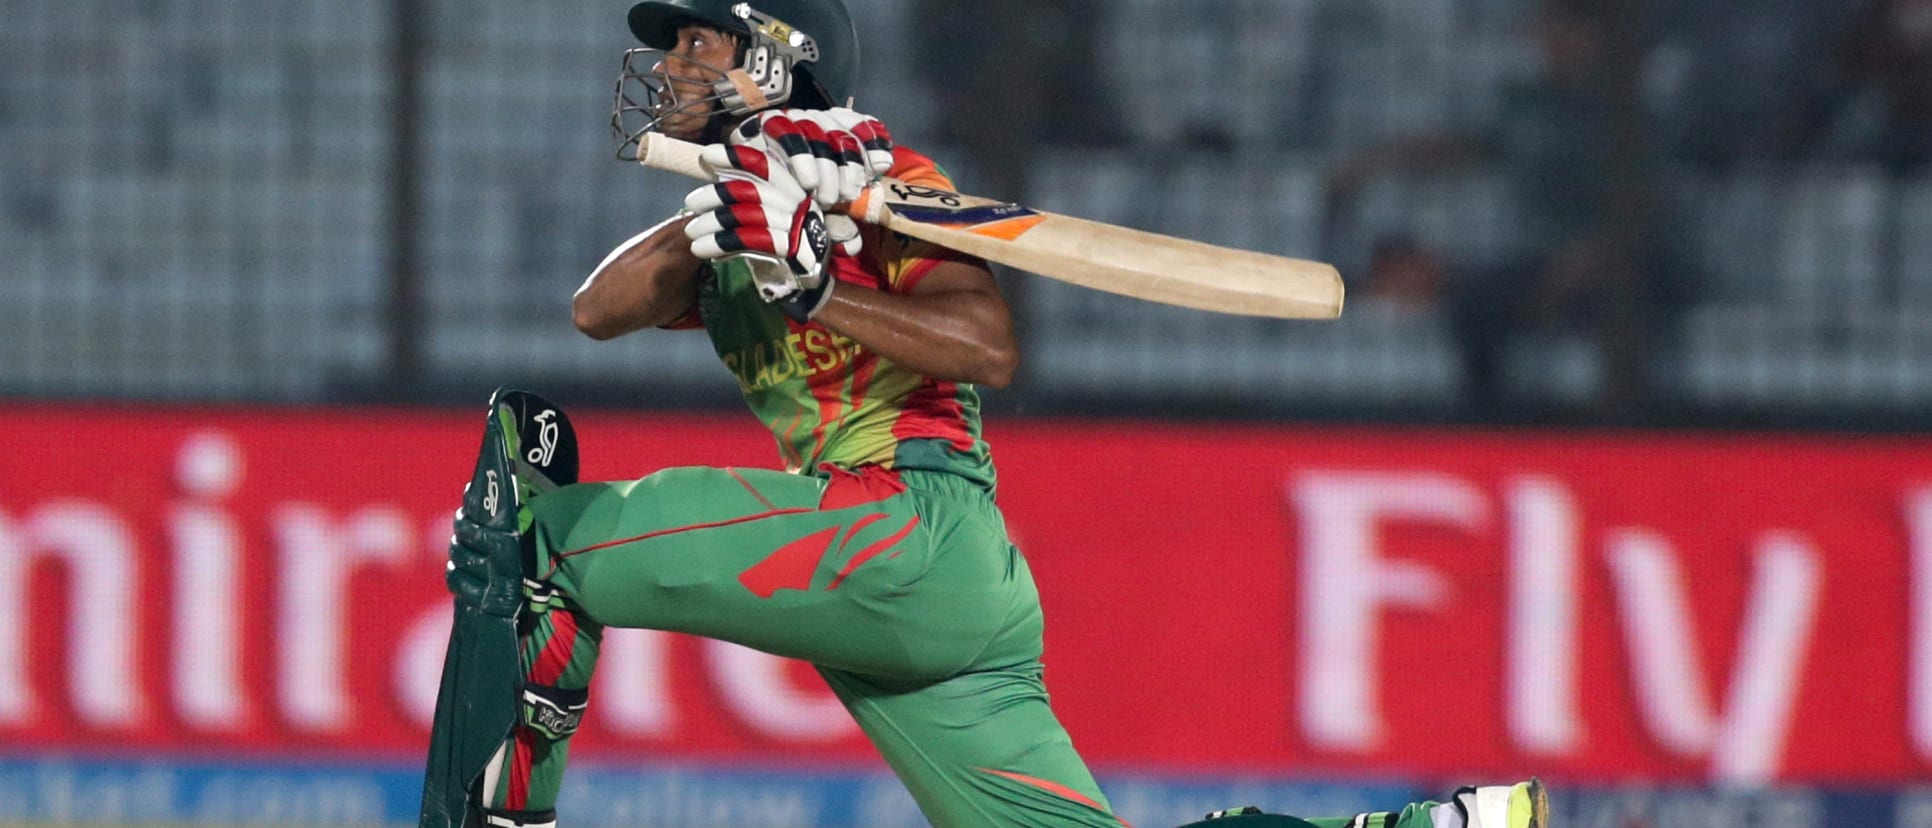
(836, 70)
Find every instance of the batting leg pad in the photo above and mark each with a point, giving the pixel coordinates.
(528, 448)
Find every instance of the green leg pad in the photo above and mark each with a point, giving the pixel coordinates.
(475, 711)
(477, 705)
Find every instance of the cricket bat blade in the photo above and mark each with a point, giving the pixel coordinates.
(1091, 254)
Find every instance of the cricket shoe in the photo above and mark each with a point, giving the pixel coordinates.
(1522, 805)
(529, 448)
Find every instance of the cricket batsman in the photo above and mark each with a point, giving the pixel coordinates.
(878, 555)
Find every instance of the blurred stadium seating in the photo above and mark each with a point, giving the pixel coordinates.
(201, 205)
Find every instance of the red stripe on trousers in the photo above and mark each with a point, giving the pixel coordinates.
(750, 488)
(1054, 788)
(555, 656)
(520, 766)
(789, 567)
(864, 522)
(867, 553)
(692, 528)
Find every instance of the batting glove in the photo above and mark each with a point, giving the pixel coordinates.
(759, 212)
(835, 154)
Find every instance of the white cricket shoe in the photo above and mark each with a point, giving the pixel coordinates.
(1522, 805)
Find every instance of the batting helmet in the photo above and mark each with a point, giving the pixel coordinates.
(816, 35)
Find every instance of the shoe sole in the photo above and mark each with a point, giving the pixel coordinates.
(1539, 804)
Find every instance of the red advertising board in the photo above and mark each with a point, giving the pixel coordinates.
(1447, 603)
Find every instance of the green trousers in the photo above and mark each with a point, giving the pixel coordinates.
(902, 588)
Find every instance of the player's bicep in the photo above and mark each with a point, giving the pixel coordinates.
(963, 286)
(955, 276)
(965, 303)
(648, 281)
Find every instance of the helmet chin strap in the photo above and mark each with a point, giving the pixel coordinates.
(765, 81)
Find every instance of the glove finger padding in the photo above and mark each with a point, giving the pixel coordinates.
(824, 158)
(723, 159)
(780, 191)
(800, 237)
(729, 162)
(781, 137)
(853, 170)
(784, 230)
(845, 234)
(873, 137)
(734, 217)
(834, 154)
(723, 194)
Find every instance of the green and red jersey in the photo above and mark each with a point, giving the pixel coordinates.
(828, 399)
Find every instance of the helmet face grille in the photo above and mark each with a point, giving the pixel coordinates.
(649, 97)
(772, 58)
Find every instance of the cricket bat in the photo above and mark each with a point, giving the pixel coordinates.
(1103, 257)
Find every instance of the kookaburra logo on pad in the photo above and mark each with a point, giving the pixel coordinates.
(546, 447)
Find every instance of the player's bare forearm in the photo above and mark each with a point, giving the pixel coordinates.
(649, 281)
(954, 327)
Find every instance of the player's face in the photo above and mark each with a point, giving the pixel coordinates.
(701, 57)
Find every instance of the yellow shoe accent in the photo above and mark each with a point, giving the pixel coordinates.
(1529, 805)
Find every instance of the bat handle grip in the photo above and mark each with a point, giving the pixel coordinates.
(662, 152)
(870, 206)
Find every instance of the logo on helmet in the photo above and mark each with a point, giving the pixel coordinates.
(777, 30)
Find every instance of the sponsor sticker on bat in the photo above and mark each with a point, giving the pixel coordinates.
(928, 205)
